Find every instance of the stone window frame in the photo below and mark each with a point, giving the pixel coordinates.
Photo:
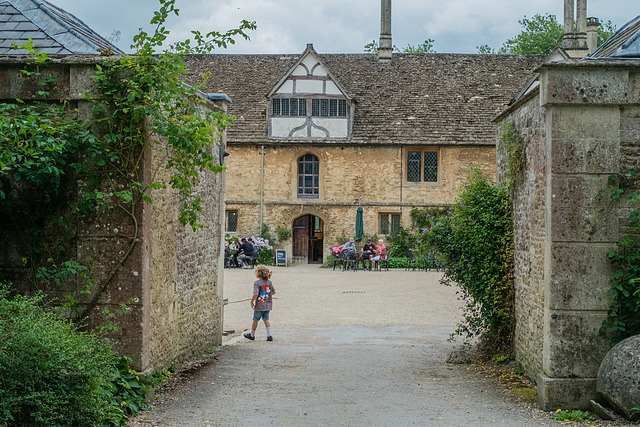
(229, 214)
(428, 176)
(389, 223)
(303, 175)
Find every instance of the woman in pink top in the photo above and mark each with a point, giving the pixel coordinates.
(381, 253)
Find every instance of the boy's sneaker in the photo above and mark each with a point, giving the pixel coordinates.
(249, 337)
(269, 338)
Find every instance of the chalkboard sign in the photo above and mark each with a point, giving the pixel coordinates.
(281, 257)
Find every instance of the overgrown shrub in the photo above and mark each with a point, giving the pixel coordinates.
(623, 320)
(127, 391)
(51, 374)
(399, 243)
(475, 243)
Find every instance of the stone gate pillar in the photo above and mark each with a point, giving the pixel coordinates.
(582, 123)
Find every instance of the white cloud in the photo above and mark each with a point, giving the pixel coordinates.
(337, 26)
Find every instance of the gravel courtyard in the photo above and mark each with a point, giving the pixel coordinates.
(350, 348)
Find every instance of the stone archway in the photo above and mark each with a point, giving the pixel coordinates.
(308, 239)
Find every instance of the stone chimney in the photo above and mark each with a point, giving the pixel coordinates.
(574, 41)
(592, 34)
(386, 47)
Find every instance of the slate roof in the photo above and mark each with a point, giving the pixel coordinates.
(625, 43)
(53, 30)
(430, 99)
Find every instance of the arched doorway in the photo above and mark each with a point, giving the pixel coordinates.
(308, 231)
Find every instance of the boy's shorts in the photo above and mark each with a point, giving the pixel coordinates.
(257, 315)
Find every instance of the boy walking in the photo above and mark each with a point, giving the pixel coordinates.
(262, 301)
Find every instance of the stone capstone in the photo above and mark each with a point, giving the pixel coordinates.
(619, 377)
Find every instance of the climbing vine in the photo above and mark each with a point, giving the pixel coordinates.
(514, 154)
(53, 154)
(623, 319)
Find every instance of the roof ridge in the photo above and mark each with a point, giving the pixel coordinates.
(47, 9)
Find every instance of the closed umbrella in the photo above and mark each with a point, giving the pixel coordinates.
(359, 225)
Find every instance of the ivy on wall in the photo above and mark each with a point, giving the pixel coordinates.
(48, 153)
(623, 319)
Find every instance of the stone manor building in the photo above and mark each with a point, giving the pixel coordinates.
(318, 135)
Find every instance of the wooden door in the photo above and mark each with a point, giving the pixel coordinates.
(301, 236)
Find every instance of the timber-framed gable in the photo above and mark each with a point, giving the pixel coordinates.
(309, 102)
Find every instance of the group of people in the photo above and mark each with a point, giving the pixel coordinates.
(371, 253)
(243, 248)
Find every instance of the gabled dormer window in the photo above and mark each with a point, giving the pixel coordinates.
(308, 102)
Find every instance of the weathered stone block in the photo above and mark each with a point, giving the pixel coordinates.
(588, 155)
(578, 122)
(579, 213)
(81, 80)
(619, 377)
(573, 345)
(584, 86)
(565, 393)
(579, 276)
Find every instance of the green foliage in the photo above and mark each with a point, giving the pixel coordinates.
(127, 391)
(424, 47)
(578, 416)
(540, 36)
(51, 374)
(623, 319)
(485, 49)
(475, 243)
(399, 243)
(514, 153)
(283, 233)
(606, 30)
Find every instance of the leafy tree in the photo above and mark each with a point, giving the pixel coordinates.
(606, 30)
(424, 47)
(540, 36)
(485, 49)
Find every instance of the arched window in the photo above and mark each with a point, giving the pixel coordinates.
(308, 176)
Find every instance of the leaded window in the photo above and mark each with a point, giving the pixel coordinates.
(324, 107)
(389, 223)
(231, 221)
(342, 107)
(308, 176)
(422, 166)
(289, 106)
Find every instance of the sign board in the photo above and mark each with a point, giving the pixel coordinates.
(281, 257)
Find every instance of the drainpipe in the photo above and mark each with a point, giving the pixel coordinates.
(262, 153)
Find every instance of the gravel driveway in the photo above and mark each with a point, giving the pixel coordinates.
(350, 348)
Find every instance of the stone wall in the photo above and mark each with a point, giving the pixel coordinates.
(578, 128)
(382, 188)
(529, 232)
(170, 282)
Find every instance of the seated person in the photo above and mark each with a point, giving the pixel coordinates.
(246, 249)
(368, 251)
(381, 253)
(348, 252)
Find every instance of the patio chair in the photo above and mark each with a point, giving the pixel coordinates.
(430, 262)
(337, 261)
(411, 261)
(348, 260)
(252, 260)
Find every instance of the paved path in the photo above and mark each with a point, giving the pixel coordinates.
(356, 349)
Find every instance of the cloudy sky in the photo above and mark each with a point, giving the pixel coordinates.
(339, 26)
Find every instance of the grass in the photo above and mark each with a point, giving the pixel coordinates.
(578, 416)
